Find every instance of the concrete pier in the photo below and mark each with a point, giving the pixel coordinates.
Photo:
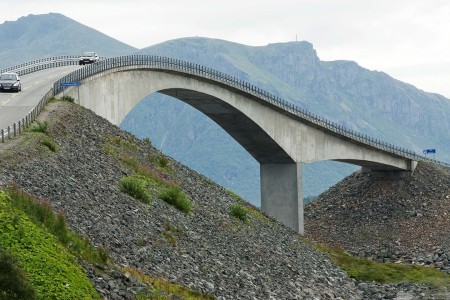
(281, 193)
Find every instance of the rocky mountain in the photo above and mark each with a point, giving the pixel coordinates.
(370, 102)
(38, 36)
(205, 248)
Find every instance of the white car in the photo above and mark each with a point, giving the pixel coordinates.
(10, 82)
(88, 58)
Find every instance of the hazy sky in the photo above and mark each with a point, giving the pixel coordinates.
(408, 39)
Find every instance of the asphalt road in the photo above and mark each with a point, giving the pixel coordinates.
(15, 106)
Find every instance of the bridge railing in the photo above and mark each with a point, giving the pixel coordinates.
(42, 64)
(171, 64)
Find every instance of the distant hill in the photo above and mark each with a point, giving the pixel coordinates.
(37, 36)
(368, 101)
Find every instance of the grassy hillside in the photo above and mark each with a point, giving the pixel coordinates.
(51, 271)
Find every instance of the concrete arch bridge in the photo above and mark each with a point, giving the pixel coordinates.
(279, 135)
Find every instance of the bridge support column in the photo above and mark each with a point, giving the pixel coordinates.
(282, 195)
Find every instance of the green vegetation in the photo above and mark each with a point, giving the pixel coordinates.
(40, 213)
(366, 270)
(162, 161)
(44, 248)
(239, 212)
(145, 176)
(256, 213)
(147, 141)
(170, 237)
(153, 176)
(171, 232)
(135, 186)
(120, 142)
(161, 289)
(41, 127)
(13, 283)
(234, 194)
(175, 196)
(67, 98)
(48, 143)
(129, 161)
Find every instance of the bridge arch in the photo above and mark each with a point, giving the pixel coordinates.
(278, 137)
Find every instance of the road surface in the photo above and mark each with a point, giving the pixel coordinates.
(15, 106)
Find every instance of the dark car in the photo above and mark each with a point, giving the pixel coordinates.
(10, 82)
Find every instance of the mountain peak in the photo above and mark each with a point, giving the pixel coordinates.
(37, 36)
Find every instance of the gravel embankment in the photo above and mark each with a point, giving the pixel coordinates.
(404, 220)
(207, 250)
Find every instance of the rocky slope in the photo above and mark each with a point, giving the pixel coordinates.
(387, 220)
(207, 250)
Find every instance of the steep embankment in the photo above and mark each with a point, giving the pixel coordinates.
(403, 219)
(207, 249)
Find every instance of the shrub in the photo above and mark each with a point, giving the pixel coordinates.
(41, 127)
(147, 141)
(13, 283)
(175, 196)
(162, 161)
(67, 98)
(239, 212)
(135, 187)
(49, 144)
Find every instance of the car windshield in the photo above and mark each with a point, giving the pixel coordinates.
(89, 54)
(8, 77)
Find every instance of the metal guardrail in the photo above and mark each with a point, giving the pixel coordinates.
(18, 127)
(184, 67)
(42, 64)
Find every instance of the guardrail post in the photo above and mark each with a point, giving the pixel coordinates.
(3, 135)
(14, 129)
(9, 132)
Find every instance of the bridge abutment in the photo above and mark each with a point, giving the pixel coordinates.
(281, 193)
